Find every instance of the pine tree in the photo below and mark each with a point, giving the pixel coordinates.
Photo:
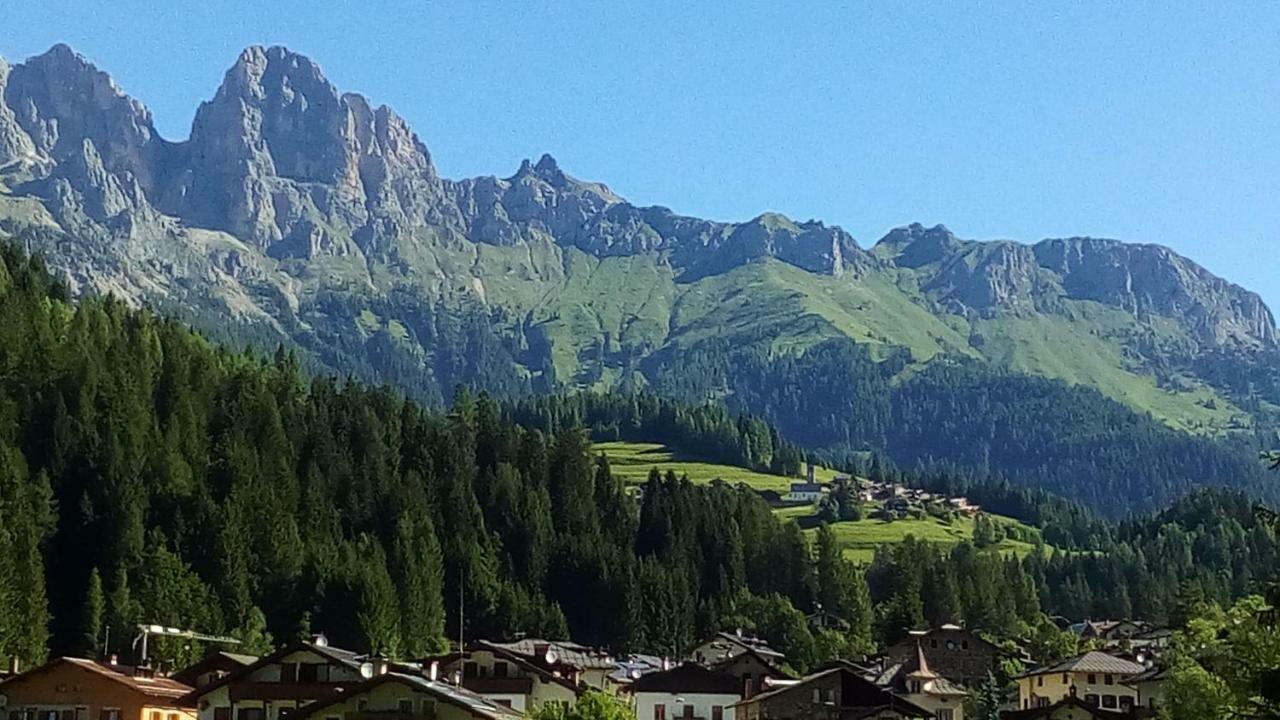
(95, 608)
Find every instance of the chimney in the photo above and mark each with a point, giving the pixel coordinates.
(812, 474)
(113, 659)
(435, 670)
(14, 664)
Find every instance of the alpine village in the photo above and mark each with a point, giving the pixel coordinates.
(292, 427)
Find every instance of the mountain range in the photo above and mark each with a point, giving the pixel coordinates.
(300, 214)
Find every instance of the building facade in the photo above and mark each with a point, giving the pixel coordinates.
(687, 692)
(278, 684)
(831, 694)
(1095, 678)
(400, 696)
(954, 653)
(78, 689)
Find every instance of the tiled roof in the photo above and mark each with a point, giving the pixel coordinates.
(452, 694)
(566, 653)
(688, 678)
(1092, 662)
(156, 687)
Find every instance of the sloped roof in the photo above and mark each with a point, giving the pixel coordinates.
(1151, 674)
(161, 688)
(452, 694)
(766, 661)
(347, 658)
(566, 652)
(1091, 662)
(688, 678)
(891, 701)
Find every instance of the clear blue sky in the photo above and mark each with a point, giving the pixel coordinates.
(1127, 120)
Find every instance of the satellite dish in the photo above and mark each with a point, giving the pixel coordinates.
(551, 656)
(366, 670)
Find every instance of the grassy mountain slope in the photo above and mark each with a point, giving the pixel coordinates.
(298, 214)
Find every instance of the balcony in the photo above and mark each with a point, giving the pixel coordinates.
(301, 691)
(499, 685)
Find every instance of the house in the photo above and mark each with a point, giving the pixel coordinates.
(1068, 708)
(78, 689)
(804, 492)
(725, 645)
(1096, 677)
(837, 693)
(916, 682)
(687, 692)
(1150, 687)
(272, 686)
(214, 666)
(405, 696)
(522, 682)
(1111, 633)
(753, 671)
(591, 665)
(954, 653)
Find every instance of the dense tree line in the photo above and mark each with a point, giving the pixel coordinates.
(149, 476)
(1069, 440)
(706, 431)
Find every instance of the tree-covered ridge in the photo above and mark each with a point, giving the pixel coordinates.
(297, 213)
(1070, 440)
(152, 477)
(149, 476)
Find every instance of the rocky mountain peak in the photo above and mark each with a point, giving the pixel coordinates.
(915, 245)
(59, 100)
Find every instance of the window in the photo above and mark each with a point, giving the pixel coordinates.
(174, 716)
(68, 714)
(1093, 679)
(1109, 701)
(1091, 699)
(308, 672)
(946, 714)
(964, 644)
(688, 711)
(470, 670)
(659, 712)
(288, 673)
(405, 706)
(1109, 679)
(155, 715)
(817, 696)
(17, 715)
(499, 669)
(1126, 702)
(717, 712)
(1039, 681)
(1066, 679)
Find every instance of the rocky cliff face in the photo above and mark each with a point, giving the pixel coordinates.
(1145, 280)
(289, 193)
